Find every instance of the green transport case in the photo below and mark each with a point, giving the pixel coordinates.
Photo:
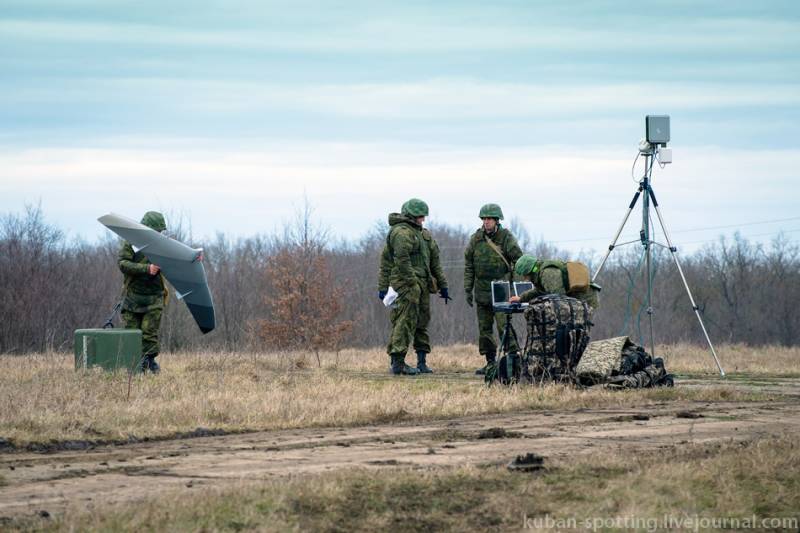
(110, 349)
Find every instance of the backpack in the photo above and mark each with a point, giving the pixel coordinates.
(578, 278)
(575, 275)
(558, 333)
(620, 363)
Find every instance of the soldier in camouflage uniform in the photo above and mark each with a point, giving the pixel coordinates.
(490, 256)
(145, 294)
(410, 265)
(548, 277)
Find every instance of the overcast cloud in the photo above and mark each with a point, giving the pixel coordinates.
(232, 113)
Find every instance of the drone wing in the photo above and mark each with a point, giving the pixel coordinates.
(180, 264)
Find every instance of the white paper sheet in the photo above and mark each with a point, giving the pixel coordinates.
(389, 299)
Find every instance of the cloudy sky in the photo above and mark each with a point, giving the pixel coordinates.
(229, 112)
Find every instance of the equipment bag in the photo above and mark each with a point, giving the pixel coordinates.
(620, 363)
(558, 332)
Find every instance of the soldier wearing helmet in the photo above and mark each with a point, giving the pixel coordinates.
(145, 294)
(410, 265)
(490, 255)
(549, 277)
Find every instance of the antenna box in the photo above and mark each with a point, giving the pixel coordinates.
(657, 129)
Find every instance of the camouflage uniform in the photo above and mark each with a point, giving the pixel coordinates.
(482, 266)
(144, 295)
(548, 277)
(410, 264)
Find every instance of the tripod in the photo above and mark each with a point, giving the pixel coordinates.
(645, 190)
(512, 359)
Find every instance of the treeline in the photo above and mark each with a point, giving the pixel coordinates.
(50, 286)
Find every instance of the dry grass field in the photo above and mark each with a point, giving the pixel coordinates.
(695, 486)
(43, 400)
(347, 447)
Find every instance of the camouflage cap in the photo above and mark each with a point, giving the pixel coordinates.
(154, 220)
(491, 211)
(525, 265)
(415, 208)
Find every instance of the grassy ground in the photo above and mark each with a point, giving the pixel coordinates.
(776, 361)
(734, 481)
(43, 399)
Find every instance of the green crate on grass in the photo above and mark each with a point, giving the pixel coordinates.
(110, 349)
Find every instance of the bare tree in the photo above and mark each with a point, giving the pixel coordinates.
(50, 286)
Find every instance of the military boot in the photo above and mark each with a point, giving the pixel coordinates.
(490, 360)
(421, 366)
(152, 365)
(400, 368)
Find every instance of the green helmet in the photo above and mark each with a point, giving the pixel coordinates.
(491, 211)
(525, 265)
(415, 208)
(154, 220)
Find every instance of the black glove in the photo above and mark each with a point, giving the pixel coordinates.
(381, 295)
(469, 299)
(443, 294)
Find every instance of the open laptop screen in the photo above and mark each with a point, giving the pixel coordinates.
(500, 292)
(522, 286)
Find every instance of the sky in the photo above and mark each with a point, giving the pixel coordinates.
(230, 113)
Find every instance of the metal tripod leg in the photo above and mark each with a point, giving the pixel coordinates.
(673, 252)
(508, 330)
(619, 232)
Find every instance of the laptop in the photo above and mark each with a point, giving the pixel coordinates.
(501, 292)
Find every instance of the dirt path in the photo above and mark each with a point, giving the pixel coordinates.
(35, 482)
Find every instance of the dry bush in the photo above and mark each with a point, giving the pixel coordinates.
(305, 304)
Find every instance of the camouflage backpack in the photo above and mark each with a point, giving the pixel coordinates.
(620, 363)
(558, 332)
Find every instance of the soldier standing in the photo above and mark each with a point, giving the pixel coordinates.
(145, 294)
(490, 256)
(410, 265)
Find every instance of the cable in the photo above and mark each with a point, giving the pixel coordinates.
(749, 236)
(738, 225)
(633, 167)
(689, 230)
